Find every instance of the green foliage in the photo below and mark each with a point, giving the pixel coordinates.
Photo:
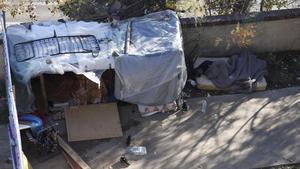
(242, 35)
(105, 10)
(82, 9)
(269, 4)
(222, 7)
(27, 7)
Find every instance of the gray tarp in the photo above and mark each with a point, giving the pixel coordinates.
(162, 74)
(237, 71)
(151, 71)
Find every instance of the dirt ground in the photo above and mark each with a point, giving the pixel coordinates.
(237, 131)
(252, 130)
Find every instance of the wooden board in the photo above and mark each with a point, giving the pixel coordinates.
(95, 121)
(44, 93)
(74, 160)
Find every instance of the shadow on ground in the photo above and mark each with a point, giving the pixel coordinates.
(237, 131)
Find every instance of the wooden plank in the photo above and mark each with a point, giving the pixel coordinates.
(95, 121)
(70, 161)
(44, 93)
(72, 154)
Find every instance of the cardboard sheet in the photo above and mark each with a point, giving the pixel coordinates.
(96, 121)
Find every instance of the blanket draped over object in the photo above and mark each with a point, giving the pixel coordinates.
(238, 72)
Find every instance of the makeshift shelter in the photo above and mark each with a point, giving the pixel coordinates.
(146, 53)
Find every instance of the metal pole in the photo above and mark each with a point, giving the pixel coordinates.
(13, 126)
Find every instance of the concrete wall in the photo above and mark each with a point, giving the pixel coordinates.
(273, 31)
(269, 36)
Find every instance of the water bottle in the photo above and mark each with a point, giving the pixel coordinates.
(137, 150)
(203, 106)
(135, 153)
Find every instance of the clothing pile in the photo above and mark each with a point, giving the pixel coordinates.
(239, 73)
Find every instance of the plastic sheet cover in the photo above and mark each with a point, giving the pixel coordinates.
(146, 53)
(153, 70)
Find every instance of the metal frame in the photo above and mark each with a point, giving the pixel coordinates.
(13, 126)
(58, 46)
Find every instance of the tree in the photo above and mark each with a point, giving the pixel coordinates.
(105, 10)
(28, 7)
(222, 7)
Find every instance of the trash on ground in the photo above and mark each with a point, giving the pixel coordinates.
(151, 110)
(43, 136)
(185, 106)
(203, 106)
(137, 150)
(123, 160)
(192, 82)
(135, 153)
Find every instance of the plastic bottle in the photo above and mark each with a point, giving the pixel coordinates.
(137, 150)
(203, 106)
(135, 153)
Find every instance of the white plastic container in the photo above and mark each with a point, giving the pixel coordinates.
(137, 150)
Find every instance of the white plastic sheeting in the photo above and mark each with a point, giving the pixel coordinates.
(78, 63)
(153, 71)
